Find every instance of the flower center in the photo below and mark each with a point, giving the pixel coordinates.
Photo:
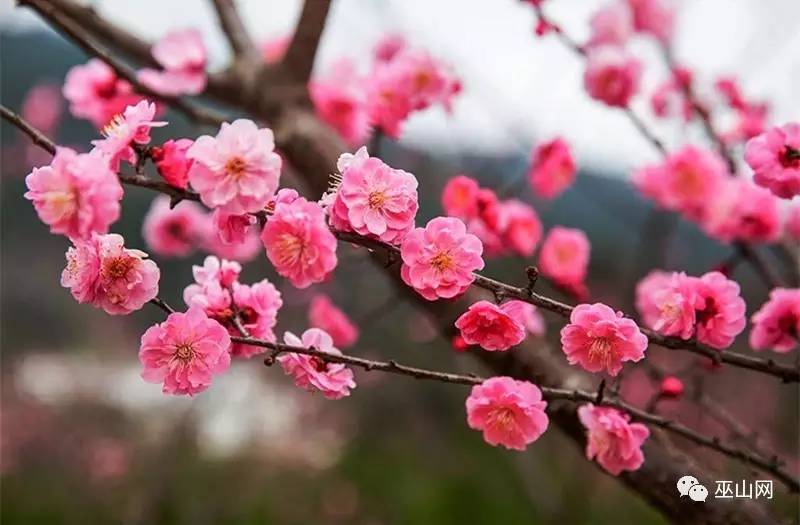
(442, 261)
(290, 248)
(502, 418)
(319, 364)
(117, 127)
(688, 182)
(117, 267)
(789, 157)
(235, 167)
(377, 199)
(64, 202)
(184, 352)
(600, 350)
(708, 312)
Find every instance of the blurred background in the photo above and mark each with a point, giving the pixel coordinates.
(85, 440)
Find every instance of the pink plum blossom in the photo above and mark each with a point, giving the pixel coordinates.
(326, 316)
(490, 326)
(244, 250)
(599, 339)
(339, 101)
(564, 257)
(612, 24)
(510, 413)
(646, 290)
(182, 55)
(669, 97)
(774, 156)
(612, 440)
(185, 352)
(676, 302)
(95, 93)
(257, 306)
(215, 270)
(42, 107)
(552, 168)
(130, 128)
(230, 228)
(299, 243)
(523, 230)
(173, 232)
(76, 195)
(374, 199)
(776, 325)
(172, 163)
(333, 380)
(439, 259)
(611, 76)
(656, 17)
(742, 211)
(102, 272)
(237, 170)
(671, 387)
(722, 314)
(460, 197)
(527, 315)
(388, 46)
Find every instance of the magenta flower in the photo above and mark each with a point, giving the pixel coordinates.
(552, 168)
(333, 380)
(231, 228)
(612, 24)
(564, 257)
(614, 442)
(374, 199)
(130, 128)
(237, 170)
(185, 352)
(95, 93)
(742, 211)
(599, 339)
(102, 272)
(774, 156)
(776, 325)
(258, 306)
(76, 195)
(510, 413)
(42, 107)
(490, 326)
(172, 163)
(523, 230)
(339, 101)
(460, 197)
(326, 316)
(439, 259)
(656, 17)
(173, 232)
(182, 55)
(612, 76)
(722, 314)
(299, 243)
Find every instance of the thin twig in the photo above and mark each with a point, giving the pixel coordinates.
(34, 134)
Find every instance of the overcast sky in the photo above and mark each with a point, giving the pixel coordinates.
(517, 88)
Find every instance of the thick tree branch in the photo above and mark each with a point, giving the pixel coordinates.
(233, 27)
(300, 56)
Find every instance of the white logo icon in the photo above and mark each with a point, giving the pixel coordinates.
(689, 486)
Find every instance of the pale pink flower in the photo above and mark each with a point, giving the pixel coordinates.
(687, 181)
(325, 315)
(76, 195)
(676, 301)
(612, 24)
(299, 243)
(510, 413)
(182, 55)
(173, 232)
(257, 306)
(375, 199)
(42, 107)
(274, 48)
(656, 17)
(612, 440)
(439, 259)
(185, 352)
(388, 99)
(237, 170)
(599, 339)
(523, 230)
(612, 76)
(95, 93)
(102, 272)
(490, 326)
(774, 156)
(742, 211)
(722, 314)
(460, 197)
(646, 290)
(333, 380)
(564, 257)
(776, 325)
(172, 163)
(552, 168)
(130, 128)
(339, 101)
(231, 228)
(527, 315)
(793, 222)
(215, 270)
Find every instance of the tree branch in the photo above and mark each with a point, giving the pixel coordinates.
(299, 58)
(233, 27)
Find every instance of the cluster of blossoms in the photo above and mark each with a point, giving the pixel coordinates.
(401, 80)
(95, 93)
(695, 182)
(750, 116)
(500, 225)
(708, 308)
